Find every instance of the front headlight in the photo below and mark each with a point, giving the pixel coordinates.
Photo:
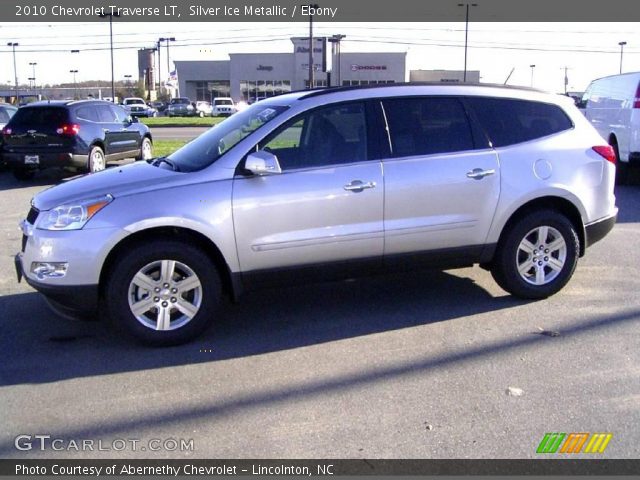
(72, 216)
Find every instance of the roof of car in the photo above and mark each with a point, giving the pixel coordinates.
(64, 103)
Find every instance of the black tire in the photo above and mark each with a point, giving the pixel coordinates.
(96, 161)
(622, 168)
(24, 174)
(120, 290)
(556, 266)
(146, 142)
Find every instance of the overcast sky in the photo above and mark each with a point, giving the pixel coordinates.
(589, 50)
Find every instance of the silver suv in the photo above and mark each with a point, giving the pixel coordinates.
(327, 184)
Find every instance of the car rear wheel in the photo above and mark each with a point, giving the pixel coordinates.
(97, 161)
(165, 293)
(537, 256)
(146, 150)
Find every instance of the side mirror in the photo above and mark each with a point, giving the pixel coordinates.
(262, 163)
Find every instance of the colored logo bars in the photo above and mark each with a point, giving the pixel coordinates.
(573, 443)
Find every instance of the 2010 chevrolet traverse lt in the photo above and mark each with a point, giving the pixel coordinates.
(331, 183)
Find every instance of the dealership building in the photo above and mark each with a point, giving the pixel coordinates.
(254, 76)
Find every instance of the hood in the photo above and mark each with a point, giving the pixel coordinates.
(119, 181)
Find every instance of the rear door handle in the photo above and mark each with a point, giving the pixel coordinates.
(359, 185)
(479, 174)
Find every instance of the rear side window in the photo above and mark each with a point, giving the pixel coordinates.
(47, 116)
(105, 115)
(510, 121)
(424, 126)
(87, 113)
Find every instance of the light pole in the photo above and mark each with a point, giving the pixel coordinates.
(167, 40)
(532, 67)
(311, 9)
(111, 15)
(33, 76)
(75, 85)
(466, 35)
(13, 45)
(127, 80)
(622, 44)
(335, 42)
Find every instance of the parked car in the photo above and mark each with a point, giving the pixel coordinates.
(203, 109)
(223, 106)
(324, 184)
(137, 107)
(84, 134)
(158, 105)
(612, 105)
(180, 107)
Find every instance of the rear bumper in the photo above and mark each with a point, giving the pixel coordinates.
(47, 159)
(599, 229)
(74, 299)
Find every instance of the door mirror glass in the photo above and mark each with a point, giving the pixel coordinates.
(262, 163)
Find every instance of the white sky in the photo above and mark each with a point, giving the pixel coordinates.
(590, 50)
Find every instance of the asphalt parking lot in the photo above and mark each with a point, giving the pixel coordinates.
(414, 366)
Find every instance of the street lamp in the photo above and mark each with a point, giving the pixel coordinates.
(335, 42)
(75, 85)
(111, 15)
(13, 45)
(127, 81)
(167, 40)
(622, 44)
(312, 7)
(532, 67)
(466, 35)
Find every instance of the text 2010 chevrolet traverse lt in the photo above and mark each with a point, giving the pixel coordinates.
(330, 182)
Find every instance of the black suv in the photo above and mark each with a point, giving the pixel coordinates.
(83, 134)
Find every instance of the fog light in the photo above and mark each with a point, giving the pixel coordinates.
(44, 270)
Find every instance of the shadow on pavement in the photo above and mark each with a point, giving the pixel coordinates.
(46, 348)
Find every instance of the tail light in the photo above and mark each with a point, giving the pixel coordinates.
(636, 100)
(68, 129)
(6, 131)
(606, 151)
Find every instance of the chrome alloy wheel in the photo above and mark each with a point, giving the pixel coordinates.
(165, 295)
(146, 149)
(541, 255)
(98, 162)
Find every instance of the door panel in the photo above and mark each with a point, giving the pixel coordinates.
(307, 216)
(441, 188)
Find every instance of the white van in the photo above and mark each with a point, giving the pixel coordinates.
(612, 105)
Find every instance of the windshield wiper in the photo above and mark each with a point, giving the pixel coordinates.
(160, 160)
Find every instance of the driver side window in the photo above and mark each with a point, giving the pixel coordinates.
(325, 136)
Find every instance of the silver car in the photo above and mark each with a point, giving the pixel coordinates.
(324, 184)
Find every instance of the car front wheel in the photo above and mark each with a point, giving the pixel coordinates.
(165, 293)
(537, 255)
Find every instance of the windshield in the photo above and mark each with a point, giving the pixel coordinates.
(215, 142)
(223, 101)
(179, 101)
(134, 101)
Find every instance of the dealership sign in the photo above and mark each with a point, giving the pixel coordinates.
(355, 68)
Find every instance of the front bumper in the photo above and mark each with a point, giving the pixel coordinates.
(75, 299)
(599, 229)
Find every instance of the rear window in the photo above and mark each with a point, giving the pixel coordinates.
(48, 116)
(510, 121)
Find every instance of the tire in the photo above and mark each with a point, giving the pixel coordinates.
(146, 149)
(163, 314)
(24, 174)
(96, 161)
(622, 168)
(549, 268)
(201, 114)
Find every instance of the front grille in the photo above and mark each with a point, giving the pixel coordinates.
(32, 216)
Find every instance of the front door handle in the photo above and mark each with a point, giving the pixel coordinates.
(479, 174)
(359, 185)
